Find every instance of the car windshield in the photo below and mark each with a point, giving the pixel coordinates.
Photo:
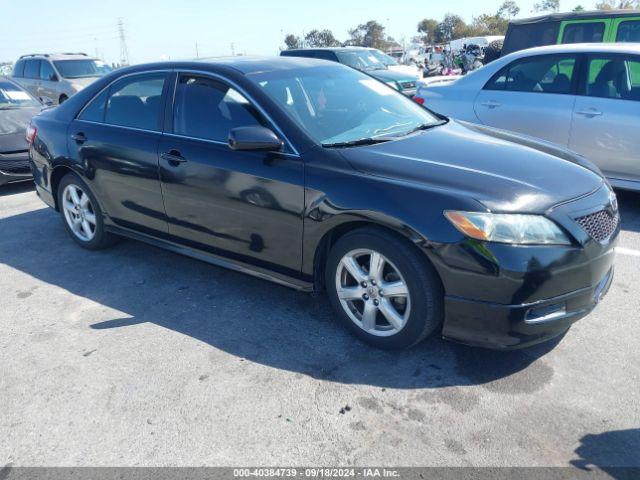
(360, 59)
(384, 58)
(82, 68)
(13, 97)
(339, 105)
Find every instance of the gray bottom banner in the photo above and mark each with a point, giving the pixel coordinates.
(211, 473)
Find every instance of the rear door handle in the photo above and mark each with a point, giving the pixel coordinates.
(174, 157)
(491, 104)
(79, 138)
(589, 112)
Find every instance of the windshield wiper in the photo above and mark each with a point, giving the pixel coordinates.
(356, 143)
(423, 126)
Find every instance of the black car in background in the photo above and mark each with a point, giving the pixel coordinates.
(316, 176)
(363, 59)
(17, 107)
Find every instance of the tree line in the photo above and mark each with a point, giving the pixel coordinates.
(430, 31)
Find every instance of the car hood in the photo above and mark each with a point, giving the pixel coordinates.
(389, 75)
(13, 124)
(503, 171)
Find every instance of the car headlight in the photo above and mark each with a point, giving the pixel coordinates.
(508, 228)
(393, 85)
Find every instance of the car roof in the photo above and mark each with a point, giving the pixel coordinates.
(632, 48)
(58, 56)
(558, 17)
(244, 64)
(331, 49)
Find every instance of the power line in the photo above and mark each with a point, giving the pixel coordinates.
(124, 51)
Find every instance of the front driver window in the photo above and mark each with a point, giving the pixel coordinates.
(208, 109)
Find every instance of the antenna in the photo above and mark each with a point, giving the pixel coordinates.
(124, 51)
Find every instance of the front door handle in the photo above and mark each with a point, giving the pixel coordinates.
(174, 157)
(491, 104)
(589, 113)
(79, 138)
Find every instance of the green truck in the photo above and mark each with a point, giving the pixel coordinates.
(575, 27)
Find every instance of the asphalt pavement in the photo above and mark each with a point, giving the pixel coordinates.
(136, 356)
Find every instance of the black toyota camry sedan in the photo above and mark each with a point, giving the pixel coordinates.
(319, 177)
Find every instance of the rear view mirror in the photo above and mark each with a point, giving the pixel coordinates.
(254, 138)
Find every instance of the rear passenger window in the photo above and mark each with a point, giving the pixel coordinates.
(209, 109)
(545, 74)
(94, 111)
(615, 77)
(592, 32)
(32, 69)
(135, 102)
(629, 31)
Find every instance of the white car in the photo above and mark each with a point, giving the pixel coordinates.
(583, 96)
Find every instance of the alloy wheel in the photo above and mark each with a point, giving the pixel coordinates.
(79, 213)
(373, 292)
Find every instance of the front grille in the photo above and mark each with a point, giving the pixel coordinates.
(15, 162)
(600, 225)
(408, 85)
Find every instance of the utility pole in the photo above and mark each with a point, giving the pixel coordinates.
(124, 52)
(233, 50)
(197, 53)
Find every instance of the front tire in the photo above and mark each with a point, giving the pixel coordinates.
(81, 214)
(383, 289)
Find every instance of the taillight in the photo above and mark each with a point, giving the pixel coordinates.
(31, 134)
(419, 100)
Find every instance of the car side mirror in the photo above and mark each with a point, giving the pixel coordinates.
(53, 77)
(254, 138)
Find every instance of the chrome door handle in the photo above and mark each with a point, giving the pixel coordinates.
(591, 112)
(491, 104)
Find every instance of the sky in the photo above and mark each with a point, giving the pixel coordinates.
(164, 30)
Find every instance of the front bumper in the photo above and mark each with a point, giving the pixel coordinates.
(509, 296)
(498, 326)
(14, 167)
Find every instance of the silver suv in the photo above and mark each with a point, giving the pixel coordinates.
(55, 77)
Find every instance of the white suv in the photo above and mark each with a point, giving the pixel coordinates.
(55, 77)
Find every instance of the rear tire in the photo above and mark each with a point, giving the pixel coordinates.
(383, 289)
(81, 214)
(493, 51)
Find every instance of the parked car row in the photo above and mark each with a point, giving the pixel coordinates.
(582, 96)
(368, 60)
(318, 176)
(53, 78)
(17, 107)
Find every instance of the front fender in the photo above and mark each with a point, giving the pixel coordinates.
(337, 195)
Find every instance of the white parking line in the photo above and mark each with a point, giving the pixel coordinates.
(628, 251)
